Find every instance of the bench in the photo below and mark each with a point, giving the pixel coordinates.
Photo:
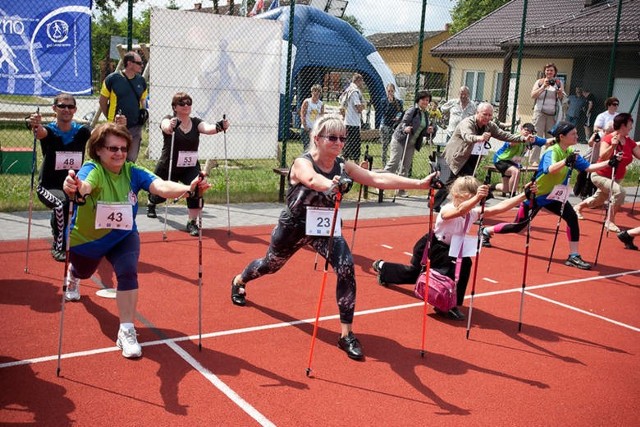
(490, 169)
(283, 172)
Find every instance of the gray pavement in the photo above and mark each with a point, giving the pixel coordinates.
(13, 225)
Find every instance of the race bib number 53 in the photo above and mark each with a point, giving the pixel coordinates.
(116, 216)
(319, 222)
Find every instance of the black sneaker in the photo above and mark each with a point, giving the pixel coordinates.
(151, 211)
(376, 267)
(456, 314)
(238, 294)
(486, 239)
(351, 346)
(625, 238)
(192, 227)
(576, 261)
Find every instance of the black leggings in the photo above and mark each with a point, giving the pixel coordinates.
(568, 215)
(286, 239)
(57, 201)
(183, 175)
(440, 260)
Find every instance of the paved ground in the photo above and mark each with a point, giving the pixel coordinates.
(13, 225)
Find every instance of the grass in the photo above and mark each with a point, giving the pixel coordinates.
(250, 180)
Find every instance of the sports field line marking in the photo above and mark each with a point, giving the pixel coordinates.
(486, 279)
(298, 322)
(579, 310)
(387, 246)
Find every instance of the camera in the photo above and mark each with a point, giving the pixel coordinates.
(551, 82)
(596, 137)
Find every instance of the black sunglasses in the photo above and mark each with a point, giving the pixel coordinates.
(334, 138)
(66, 106)
(115, 149)
(137, 63)
(184, 102)
(615, 104)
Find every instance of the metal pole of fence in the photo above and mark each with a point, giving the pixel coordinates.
(612, 57)
(519, 67)
(287, 90)
(420, 43)
(130, 25)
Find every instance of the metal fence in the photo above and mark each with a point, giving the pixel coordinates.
(257, 72)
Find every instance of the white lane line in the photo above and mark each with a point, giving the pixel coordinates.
(579, 310)
(387, 246)
(309, 320)
(489, 280)
(220, 385)
(408, 253)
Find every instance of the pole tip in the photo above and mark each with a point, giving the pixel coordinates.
(308, 372)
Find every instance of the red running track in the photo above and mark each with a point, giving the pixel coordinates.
(575, 362)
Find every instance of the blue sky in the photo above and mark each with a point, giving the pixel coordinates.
(376, 16)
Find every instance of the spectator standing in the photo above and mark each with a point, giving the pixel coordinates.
(605, 119)
(352, 117)
(63, 144)
(458, 152)
(310, 110)
(548, 93)
(409, 135)
(575, 106)
(391, 116)
(126, 91)
(458, 109)
(589, 112)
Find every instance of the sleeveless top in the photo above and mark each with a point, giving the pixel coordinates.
(299, 196)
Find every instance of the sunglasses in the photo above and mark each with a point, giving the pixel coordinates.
(66, 106)
(183, 103)
(615, 104)
(115, 149)
(137, 63)
(334, 138)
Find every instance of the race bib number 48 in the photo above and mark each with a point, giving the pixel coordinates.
(116, 216)
(319, 222)
(68, 160)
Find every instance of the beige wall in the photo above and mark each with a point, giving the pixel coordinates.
(492, 66)
(403, 60)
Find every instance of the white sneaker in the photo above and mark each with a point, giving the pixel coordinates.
(128, 342)
(72, 292)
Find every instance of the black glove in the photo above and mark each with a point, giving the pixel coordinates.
(344, 184)
(220, 126)
(528, 194)
(570, 161)
(436, 183)
(614, 161)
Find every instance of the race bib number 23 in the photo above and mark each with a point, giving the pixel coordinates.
(319, 222)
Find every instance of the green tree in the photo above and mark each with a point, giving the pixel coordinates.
(353, 21)
(466, 12)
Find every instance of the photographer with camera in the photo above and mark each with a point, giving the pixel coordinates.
(548, 93)
(181, 134)
(616, 143)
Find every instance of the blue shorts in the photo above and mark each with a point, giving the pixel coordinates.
(123, 257)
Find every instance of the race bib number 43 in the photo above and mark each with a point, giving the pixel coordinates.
(116, 216)
(319, 222)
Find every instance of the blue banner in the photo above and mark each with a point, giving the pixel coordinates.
(45, 47)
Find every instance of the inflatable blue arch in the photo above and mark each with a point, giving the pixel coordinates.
(324, 43)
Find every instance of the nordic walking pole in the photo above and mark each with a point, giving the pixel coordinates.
(201, 206)
(80, 200)
(435, 184)
(166, 203)
(564, 202)
(609, 207)
(226, 174)
(355, 222)
(532, 200)
(33, 173)
(633, 206)
(324, 278)
(64, 285)
(478, 245)
(401, 166)
(486, 145)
